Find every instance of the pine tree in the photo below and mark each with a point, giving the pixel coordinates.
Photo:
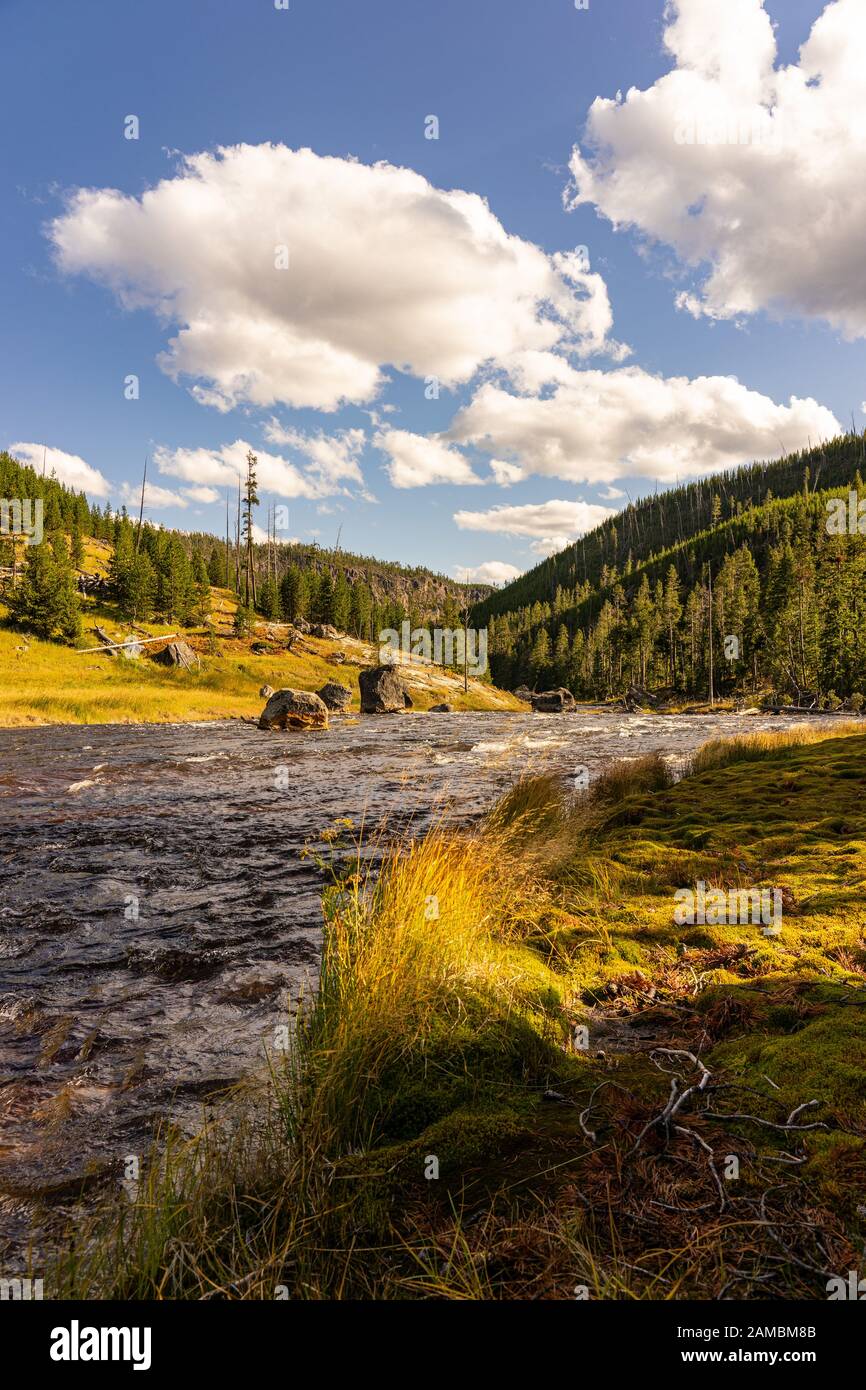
(46, 600)
(269, 600)
(201, 585)
(77, 545)
(324, 603)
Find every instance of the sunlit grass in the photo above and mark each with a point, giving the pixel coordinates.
(451, 983)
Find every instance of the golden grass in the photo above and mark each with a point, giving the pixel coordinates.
(451, 982)
(49, 683)
(721, 752)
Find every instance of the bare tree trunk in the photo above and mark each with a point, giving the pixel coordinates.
(141, 508)
(712, 690)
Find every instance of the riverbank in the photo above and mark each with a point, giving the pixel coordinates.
(479, 1102)
(47, 683)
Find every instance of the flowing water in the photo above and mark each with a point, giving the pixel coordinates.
(158, 914)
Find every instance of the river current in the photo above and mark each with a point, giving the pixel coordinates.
(158, 913)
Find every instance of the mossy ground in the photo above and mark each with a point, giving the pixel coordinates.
(444, 1131)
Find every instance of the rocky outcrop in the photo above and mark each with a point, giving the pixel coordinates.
(553, 702)
(636, 699)
(383, 691)
(178, 654)
(441, 709)
(294, 709)
(324, 630)
(335, 696)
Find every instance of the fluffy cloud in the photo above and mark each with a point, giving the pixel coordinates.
(551, 525)
(224, 466)
(383, 270)
(745, 166)
(595, 427)
(414, 460)
(490, 572)
(202, 494)
(154, 496)
(335, 458)
(67, 468)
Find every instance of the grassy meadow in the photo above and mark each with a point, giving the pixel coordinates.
(520, 1078)
(51, 683)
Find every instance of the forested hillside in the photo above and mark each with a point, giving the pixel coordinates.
(166, 573)
(742, 582)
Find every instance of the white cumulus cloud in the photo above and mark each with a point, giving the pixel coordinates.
(154, 496)
(551, 525)
(416, 460)
(750, 170)
(296, 278)
(596, 427)
(66, 468)
(223, 467)
(490, 572)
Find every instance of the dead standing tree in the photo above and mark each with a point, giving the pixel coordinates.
(251, 500)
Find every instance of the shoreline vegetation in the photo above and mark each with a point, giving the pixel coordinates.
(46, 683)
(520, 1079)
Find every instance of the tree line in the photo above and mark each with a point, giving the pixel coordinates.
(767, 598)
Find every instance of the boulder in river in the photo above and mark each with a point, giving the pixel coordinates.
(559, 701)
(441, 709)
(335, 696)
(383, 691)
(637, 699)
(178, 653)
(294, 709)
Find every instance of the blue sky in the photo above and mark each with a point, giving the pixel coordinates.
(511, 85)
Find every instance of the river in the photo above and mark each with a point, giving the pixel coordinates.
(158, 916)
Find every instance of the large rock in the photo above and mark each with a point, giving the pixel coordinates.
(636, 699)
(441, 709)
(335, 696)
(178, 654)
(553, 702)
(323, 630)
(294, 709)
(383, 691)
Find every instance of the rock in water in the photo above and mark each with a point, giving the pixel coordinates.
(383, 691)
(294, 709)
(335, 696)
(441, 709)
(266, 692)
(553, 702)
(178, 654)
